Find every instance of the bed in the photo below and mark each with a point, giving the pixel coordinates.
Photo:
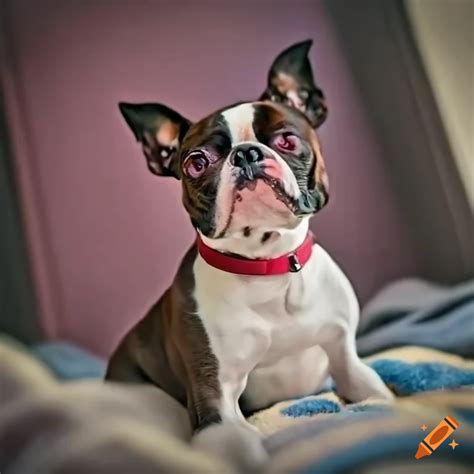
(57, 415)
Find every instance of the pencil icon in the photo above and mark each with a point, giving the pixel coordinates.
(436, 438)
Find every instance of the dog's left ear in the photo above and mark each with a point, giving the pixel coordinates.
(291, 81)
(160, 131)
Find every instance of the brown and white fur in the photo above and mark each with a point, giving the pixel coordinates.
(252, 176)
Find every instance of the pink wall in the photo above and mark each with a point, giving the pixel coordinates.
(105, 234)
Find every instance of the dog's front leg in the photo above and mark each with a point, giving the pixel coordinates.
(355, 381)
(216, 402)
(222, 429)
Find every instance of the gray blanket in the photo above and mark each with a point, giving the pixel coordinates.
(414, 312)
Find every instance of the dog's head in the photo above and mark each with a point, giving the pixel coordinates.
(250, 167)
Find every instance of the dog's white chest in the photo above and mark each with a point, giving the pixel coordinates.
(269, 327)
(272, 313)
(290, 324)
(292, 365)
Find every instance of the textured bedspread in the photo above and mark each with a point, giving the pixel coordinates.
(322, 434)
(48, 426)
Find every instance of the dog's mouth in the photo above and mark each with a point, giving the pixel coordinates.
(275, 184)
(302, 206)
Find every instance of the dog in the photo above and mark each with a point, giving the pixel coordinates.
(258, 311)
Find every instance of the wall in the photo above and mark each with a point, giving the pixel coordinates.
(105, 235)
(447, 55)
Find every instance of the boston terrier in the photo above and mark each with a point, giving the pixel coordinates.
(258, 311)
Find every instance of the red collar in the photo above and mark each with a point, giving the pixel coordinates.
(289, 263)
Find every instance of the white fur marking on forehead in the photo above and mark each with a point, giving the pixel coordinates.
(239, 120)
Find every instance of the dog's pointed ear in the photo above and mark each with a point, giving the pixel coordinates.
(291, 82)
(160, 130)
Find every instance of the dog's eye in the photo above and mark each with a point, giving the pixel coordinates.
(286, 142)
(195, 164)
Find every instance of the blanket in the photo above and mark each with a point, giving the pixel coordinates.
(407, 371)
(379, 441)
(414, 311)
(47, 426)
(356, 437)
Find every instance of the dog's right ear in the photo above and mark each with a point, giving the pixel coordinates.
(160, 130)
(291, 81)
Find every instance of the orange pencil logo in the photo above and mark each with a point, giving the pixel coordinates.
(436, 438)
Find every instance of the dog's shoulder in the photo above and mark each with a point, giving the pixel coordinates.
(332, 284)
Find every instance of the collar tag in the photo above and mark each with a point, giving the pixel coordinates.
(295, 265)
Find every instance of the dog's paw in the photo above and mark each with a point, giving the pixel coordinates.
(363, 384)
(238, 444)
(381, 392)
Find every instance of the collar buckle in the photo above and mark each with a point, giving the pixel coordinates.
(295, 265)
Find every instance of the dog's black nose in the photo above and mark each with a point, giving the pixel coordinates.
(244, 156)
